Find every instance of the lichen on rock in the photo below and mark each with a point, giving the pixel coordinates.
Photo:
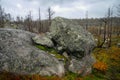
(19, 55)
(70, 37)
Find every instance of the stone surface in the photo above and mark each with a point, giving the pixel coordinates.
(18, 55)
(82, 66)
(70, 37)
(43, 40)
(118, 44)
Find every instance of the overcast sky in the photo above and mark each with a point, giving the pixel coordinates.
(63, 8)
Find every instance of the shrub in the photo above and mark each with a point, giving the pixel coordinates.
(100, 66)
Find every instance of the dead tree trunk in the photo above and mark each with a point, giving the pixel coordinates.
(50, 15)
(1, 17)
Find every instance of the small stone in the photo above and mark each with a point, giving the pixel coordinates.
(43, 40)
(66, 55)
(118, 44)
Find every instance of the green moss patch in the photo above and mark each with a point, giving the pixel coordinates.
(51, 51)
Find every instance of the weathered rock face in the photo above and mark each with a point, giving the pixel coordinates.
(82, 66)
(43, 40)
(118, 44)
(70, 37)
(18, 55)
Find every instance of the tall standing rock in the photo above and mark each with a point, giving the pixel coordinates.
(70, 37)
(19, 55)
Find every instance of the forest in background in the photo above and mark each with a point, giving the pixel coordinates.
(94, 25)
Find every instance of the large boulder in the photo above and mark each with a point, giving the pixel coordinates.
(71, 37)
(19, 55)
(68, 36)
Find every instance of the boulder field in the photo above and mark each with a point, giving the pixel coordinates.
(19, 54)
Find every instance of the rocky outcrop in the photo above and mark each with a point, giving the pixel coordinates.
(19, 55)
(70, 37)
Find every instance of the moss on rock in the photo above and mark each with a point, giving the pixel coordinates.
(52, 51)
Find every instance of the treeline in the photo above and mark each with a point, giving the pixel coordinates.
(27, 23)
(4, 17)
(104, 28)
(96, 25)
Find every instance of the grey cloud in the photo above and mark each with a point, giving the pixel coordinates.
(68, 8)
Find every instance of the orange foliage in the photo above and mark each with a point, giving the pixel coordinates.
(115, 56)
(79, 79)
(37, 77)
(10, 76)
(100, 66)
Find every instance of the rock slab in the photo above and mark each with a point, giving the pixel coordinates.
(19, 55)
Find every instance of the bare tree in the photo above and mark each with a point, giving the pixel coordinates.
(50, 15)
(86, 20)
(100, 28)
(1, 17)
(104, 20)
(18, 19)
(107, 29)
(118, 22)
(28, 22)
(110, 13)
(4, 17)
(8, 17)
(39, 22)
